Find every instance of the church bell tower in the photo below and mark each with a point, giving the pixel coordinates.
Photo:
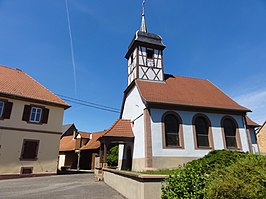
(145, 55)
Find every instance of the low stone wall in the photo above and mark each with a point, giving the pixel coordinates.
(134, 185)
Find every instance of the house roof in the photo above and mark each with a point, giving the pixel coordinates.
(186, 91)
(65, 127)
(94, 143)
(18, 84)
(121, 128)
(251, 122)
(67, 143)
(84, 134)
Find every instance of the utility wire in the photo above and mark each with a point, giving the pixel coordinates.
(89, 104)
(97, 107)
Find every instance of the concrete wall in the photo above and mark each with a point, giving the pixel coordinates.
(11, 140)
(134, 186)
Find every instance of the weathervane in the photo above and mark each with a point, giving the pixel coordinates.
(143, 7)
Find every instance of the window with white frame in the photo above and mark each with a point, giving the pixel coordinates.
(1, 108)
(35, 115)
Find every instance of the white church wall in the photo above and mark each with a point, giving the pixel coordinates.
(255, 147)
(189, 146)
(133, 110)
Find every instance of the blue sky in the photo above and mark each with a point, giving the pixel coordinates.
(222, 41)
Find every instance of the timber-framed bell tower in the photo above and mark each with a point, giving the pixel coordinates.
(145, 55)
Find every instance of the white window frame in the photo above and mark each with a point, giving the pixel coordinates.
(2, 110)
(35, 114)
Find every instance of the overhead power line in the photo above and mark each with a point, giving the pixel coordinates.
(89, 104)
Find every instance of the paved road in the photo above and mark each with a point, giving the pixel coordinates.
(79, 186)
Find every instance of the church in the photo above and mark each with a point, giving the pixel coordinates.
(169, 120)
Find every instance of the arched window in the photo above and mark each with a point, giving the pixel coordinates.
(202, 132)
(172, 130)
(230, 133)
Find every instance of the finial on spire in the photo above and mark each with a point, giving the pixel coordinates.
(143, 7)
(143, 27)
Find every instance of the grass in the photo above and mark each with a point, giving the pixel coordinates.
(160, 172)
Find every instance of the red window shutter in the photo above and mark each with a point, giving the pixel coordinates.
(45, 115)
(7, 110)
(26, 113)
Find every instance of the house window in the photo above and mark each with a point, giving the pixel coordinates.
(1, 108)
(35, 115)
(202, 132)
(131, 59)
(150, 54)
(230, 133)
(172, 133)
(26, 170)
(29, 150)
(5, 109)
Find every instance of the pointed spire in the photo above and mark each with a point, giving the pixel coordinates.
(143, 27)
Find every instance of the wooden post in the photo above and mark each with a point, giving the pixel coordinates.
(105, 153)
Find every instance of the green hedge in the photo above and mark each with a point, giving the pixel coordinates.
(244, 179)
(196, 180)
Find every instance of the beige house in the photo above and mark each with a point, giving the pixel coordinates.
(30, 125)
(261, 137)
(78, 149)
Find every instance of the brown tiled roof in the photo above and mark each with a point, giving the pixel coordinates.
(186, 91)
(84, 134)
(94, 143)
(121, 128)
(14, 82)
(67, 144)
(251, 122)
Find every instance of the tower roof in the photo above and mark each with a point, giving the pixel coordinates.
(145, 38)
(143, 27)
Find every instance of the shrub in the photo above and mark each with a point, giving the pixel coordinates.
(190, 181)
(112, 157)
(245, 179)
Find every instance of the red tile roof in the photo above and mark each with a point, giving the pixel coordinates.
(186, 91)
(84, 134)
(94, 143)
(121, 128)
(14, 82)
(67, 144)
(251, 122)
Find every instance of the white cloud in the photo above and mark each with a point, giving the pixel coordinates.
(256, 101)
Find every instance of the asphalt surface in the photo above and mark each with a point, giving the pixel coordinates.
(80, 186)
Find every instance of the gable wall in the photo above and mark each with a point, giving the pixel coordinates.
(262, 139)
(133, 109)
